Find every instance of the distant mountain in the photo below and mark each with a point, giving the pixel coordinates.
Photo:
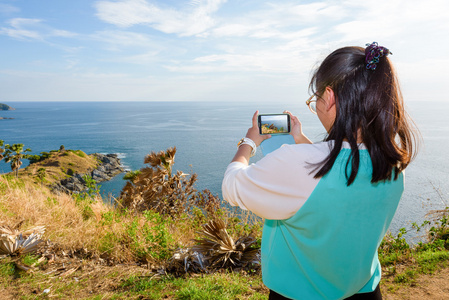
(5, 107)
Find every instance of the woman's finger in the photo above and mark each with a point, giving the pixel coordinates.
(255, 124)
(292, 117)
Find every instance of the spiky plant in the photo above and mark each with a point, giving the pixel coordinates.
(155, 187)
(216, 250)
(15, 243)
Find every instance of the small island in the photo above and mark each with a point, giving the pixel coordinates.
(6, 107)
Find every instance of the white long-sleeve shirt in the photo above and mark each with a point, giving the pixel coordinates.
(277, 185)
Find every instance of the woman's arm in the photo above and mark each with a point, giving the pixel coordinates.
(278, 184)
(244, 152)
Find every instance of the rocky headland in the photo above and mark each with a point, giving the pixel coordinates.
(108, 167)
(66, 171)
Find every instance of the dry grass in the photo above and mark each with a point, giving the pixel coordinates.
(99, 229)
(36, 206)
(63, 218)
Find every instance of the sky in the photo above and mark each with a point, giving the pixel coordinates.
(208, 50)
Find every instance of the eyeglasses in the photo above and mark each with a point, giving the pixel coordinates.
(311, 104)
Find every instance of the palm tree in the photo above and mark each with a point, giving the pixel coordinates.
(1, 149)
(14, 155)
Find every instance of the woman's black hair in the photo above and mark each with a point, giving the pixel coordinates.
(369, 105)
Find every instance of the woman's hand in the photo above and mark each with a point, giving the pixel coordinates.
(296, 130)
(253, 132)
(244, 151)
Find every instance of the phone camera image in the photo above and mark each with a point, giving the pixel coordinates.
(274, 124)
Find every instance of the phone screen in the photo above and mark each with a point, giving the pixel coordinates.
(274, 123)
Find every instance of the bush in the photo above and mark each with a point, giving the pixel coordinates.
(78, 152)
(37, 158)
(41, 174)
(155, 187)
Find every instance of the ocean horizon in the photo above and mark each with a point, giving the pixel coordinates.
(205, 135)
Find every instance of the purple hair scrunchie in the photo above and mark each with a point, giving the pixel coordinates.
(373, 52)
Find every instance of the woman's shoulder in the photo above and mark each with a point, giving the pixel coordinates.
(311, 153)
(311, 149)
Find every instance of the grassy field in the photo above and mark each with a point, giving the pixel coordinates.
(94, 250)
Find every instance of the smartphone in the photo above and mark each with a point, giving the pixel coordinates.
(274, 123)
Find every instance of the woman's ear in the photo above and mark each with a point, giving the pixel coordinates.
(330, 99)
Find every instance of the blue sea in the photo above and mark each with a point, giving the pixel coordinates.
(205, 135)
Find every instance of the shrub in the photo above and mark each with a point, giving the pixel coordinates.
(37, 158)
(78, 152)
(41, 174)
(156, 188)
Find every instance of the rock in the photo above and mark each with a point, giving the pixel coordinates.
(110, 165)
(101, 169)
(79, 177)
(99, 176)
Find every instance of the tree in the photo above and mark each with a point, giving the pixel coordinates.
(14, 155)
(1, 149)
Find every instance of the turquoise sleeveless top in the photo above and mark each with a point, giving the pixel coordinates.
(328, 249)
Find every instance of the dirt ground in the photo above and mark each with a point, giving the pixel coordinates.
(427, 287)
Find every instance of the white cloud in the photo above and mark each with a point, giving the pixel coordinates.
(282, 60)
(32, 29)
(8, 9)
(18, 29)
(119, 39)
(91, 86)
(61, 33)
(214, 42)
(394, 19)
(190, 20)
(279, 20)
(279, 38)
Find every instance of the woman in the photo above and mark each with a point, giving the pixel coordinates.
(328, 205)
